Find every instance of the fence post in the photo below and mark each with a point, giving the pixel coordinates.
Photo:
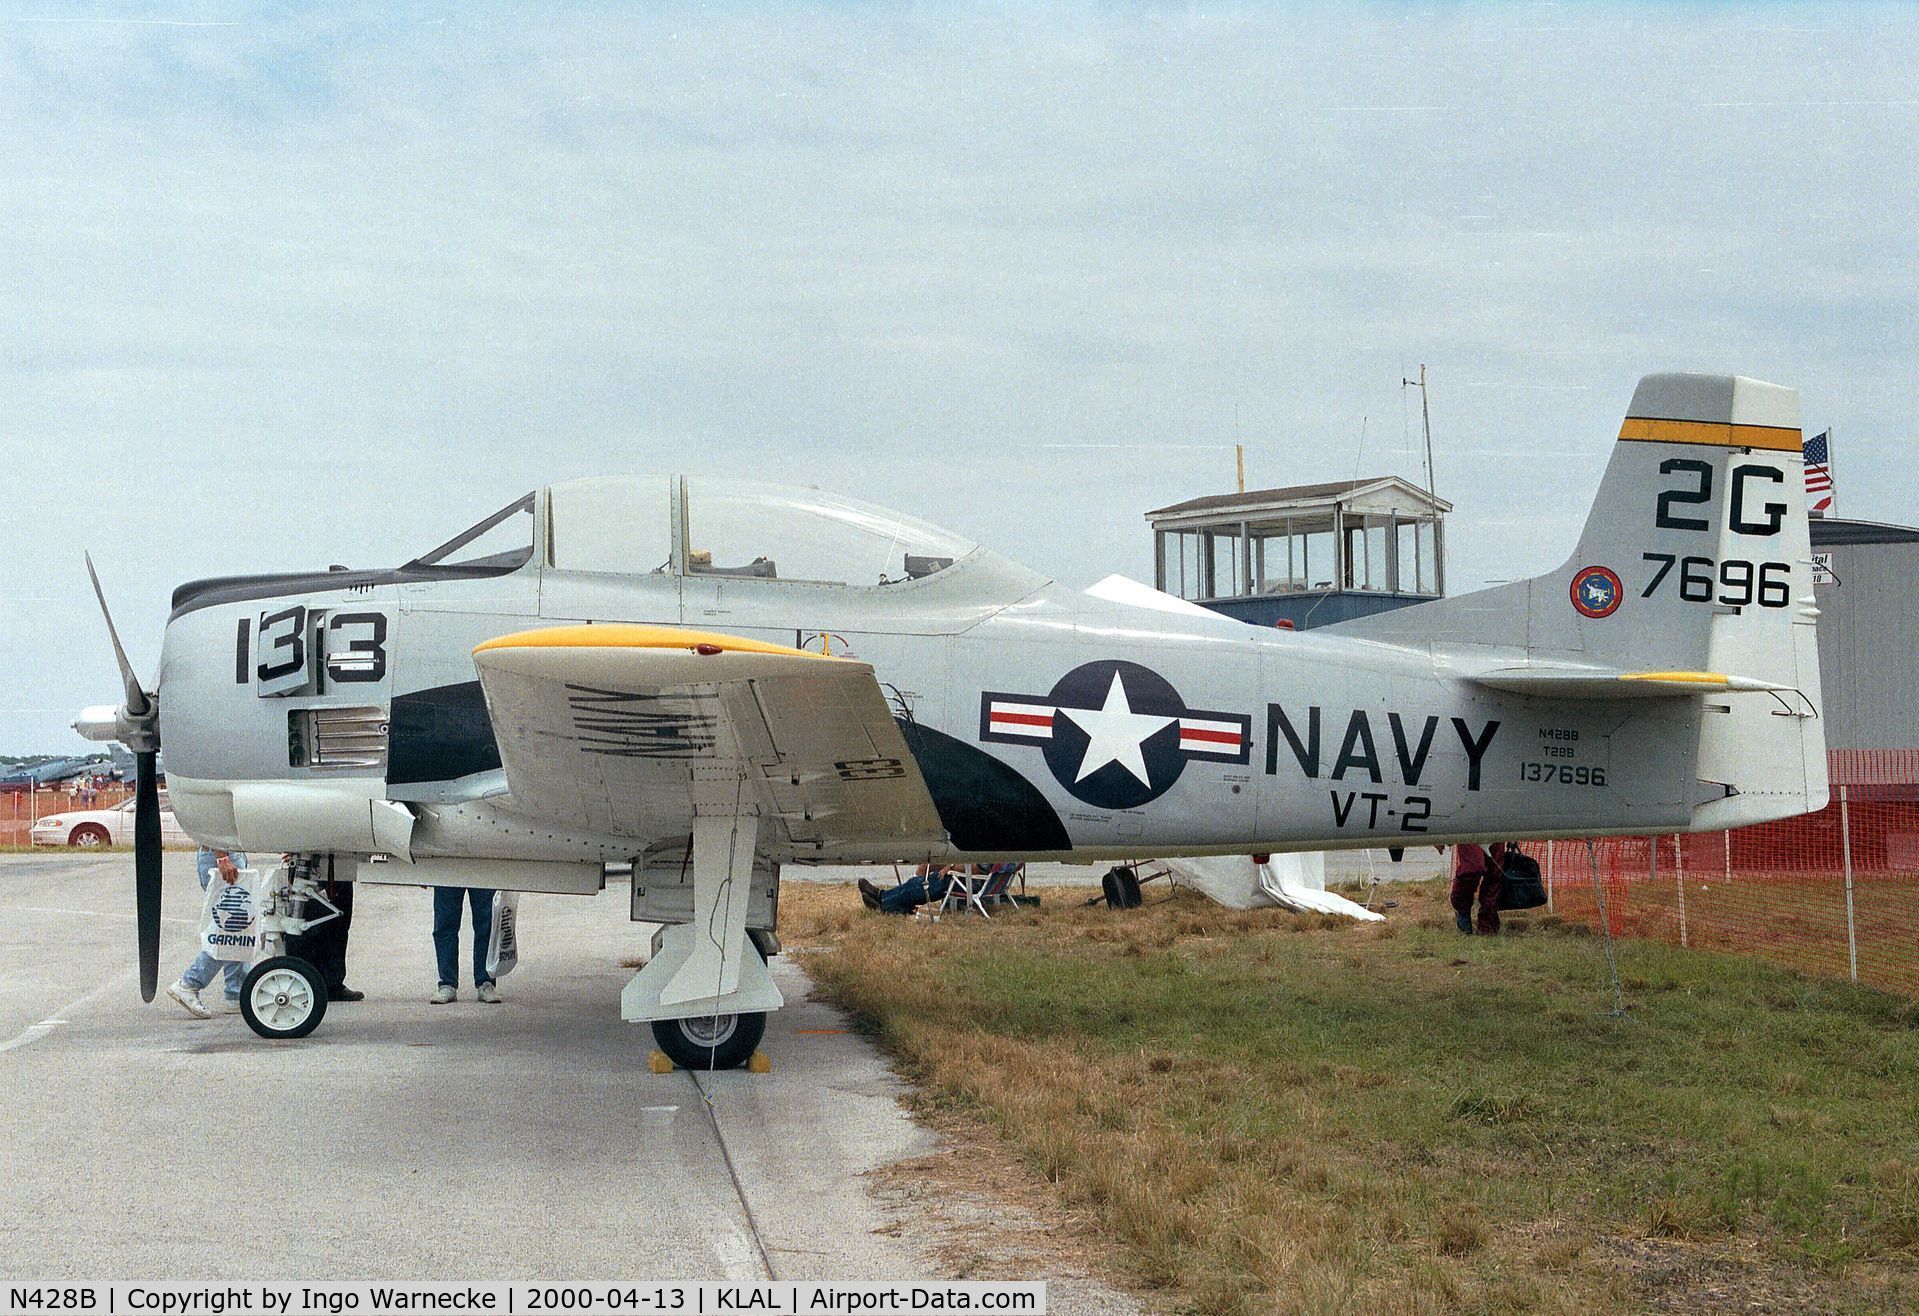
(1679, 872)
(1845, 845)
(1728, 835)
(1652, 865)
(1549, 875)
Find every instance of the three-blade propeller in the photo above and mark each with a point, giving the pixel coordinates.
(139, 726)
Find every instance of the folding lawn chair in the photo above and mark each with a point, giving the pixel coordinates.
(968, 889)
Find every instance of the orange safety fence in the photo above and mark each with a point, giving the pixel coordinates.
(1833, 893)
(20, 809)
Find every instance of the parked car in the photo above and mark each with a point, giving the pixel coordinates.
(91, 828)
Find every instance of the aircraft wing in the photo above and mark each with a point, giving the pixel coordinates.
(631, 730)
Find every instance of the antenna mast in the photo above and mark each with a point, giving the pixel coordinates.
(1426, 420)
(1239, 449)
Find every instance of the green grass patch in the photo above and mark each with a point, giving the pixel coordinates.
(1279, 1113)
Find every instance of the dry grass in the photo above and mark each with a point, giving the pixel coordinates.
(1255, 1112)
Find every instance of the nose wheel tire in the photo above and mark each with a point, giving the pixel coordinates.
(283, 998)
(723, 1041)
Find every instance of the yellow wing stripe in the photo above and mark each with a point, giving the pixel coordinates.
(1772, 437)
(1678, 678)
(619, 636)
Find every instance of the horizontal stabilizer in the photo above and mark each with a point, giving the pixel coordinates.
(1577, 681)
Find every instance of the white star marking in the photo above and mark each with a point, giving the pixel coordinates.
(1115, 734)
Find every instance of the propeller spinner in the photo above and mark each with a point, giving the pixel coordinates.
(136, 723)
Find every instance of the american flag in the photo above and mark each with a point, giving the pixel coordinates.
(1819, 471)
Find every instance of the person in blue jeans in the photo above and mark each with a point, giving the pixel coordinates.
(927, 885)
(227, 863)
(446, 941)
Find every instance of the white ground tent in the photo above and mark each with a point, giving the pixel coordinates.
(1290, 881)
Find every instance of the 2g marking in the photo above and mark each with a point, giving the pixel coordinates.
(1698, 492)
(1769, 584)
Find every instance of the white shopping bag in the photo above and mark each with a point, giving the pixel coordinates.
(503, 946)
(230, 919)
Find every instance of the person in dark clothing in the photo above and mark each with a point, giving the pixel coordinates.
(928, 884)
(1478, 871)
(325, 946)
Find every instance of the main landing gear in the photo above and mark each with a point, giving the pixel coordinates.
(716, 1041)
(706, 989)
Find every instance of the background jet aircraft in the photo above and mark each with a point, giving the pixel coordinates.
(710, 680)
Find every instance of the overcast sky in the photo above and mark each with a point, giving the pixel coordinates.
(279, 290)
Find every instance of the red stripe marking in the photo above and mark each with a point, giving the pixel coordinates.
(1216, 737)
(1025, 719)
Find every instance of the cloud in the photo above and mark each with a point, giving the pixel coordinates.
(308, 288)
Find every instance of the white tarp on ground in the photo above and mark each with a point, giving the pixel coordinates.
(1291, 881)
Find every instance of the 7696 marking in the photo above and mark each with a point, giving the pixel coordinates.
(1738, 581)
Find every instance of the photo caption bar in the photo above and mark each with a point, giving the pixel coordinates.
(633, 1298)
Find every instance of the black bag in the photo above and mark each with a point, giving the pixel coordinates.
(1523, 888)
(1121, 887)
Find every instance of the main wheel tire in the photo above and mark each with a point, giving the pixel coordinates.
(723, 1041)
(89, 836)
(283, 998)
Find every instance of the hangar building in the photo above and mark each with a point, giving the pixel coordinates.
(1868, 633)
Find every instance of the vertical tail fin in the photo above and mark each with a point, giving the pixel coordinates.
(1693, 574)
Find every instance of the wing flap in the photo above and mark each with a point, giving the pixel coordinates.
(630, 730)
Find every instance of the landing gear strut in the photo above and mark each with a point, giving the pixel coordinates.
(285, 997)
(706, 990)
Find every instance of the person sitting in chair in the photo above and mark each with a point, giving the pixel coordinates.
(928, 884)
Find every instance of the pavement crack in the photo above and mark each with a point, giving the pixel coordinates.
(733, 1173)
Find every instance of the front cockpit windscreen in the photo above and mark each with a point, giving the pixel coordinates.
(777, 532)
(501, 543)
(620, 524)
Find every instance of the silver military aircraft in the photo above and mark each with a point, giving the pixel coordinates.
(709, 680)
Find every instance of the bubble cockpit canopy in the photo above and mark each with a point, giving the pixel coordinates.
(730, 528)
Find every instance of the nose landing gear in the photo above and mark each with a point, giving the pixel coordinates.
(284, 997)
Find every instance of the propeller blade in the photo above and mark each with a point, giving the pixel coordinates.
(137, 703)
(146, 867)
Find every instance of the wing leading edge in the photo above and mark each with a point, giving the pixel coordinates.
(632, 730)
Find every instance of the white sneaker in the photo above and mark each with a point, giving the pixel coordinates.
(443, 995)
(230, 1005)
(189, 1000)
(489, 993)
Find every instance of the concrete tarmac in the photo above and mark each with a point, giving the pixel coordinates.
(407, 1141)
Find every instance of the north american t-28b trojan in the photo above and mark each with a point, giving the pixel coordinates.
(708, 680)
